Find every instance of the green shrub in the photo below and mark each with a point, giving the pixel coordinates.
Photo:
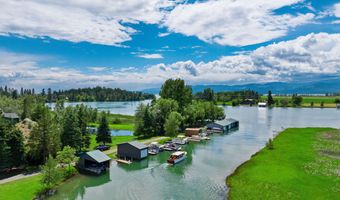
(270, 144)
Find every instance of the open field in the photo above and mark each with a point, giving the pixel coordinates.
(328, 101)
(118, 122)
(115, 140)
(20, 189)
(304, 164)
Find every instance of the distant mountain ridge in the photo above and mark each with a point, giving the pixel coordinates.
(316, 87)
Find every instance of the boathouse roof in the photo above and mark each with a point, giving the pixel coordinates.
(10, 115)
(226, 122)
(98, 156)
(138, 145)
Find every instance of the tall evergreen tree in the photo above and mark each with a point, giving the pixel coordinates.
(27, 107)
(83, 119)
(71, 133)
(44, 139)
(103, 134)
(16, 144)
(143, 121)
(49, 95)
(270, 99)
(4, 148)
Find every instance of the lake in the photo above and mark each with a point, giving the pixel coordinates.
(202, 175)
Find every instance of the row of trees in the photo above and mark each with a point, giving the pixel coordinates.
(175, 110)
(81, 94)
(96, 94)
(296, 100)
(237, 96)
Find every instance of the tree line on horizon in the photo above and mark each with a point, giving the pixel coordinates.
(80, 94)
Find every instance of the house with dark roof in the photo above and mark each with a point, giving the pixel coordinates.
(95, 162)
(132, 150)
(223, 125)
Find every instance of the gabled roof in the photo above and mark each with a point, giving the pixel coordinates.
(98, 156)
(226, 122)
(10, 115)
(138, 145)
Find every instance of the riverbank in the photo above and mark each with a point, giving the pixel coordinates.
(286, 101)
(304, 164)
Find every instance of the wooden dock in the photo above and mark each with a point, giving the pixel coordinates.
(124, 161)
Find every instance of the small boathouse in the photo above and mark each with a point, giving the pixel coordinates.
(94, 162)
(132, 150)
(223, 125)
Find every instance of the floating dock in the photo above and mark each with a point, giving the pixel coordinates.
(124, 161)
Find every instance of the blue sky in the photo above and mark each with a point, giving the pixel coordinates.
(137, 44)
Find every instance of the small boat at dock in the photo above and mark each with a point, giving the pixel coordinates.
(170, 147)
(177, 157)
(181, 140)
(153, 148)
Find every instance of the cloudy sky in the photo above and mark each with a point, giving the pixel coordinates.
(137, 44)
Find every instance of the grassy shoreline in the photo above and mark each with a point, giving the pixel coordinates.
(293, 170)
(328, 101)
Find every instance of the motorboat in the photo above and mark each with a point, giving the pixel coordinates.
(204, 136)
(153, 148)
(171, 147)
(177, 157)
(181, 140)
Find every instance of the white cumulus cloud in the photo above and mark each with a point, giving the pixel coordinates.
(313, 54)
(235, 23)
(99, 22)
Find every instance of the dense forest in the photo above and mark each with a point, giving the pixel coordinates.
(80, 94)
(174, 111)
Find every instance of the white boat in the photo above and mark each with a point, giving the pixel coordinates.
(177, 157)
(181, 140)
(153, 148)
(204, 136)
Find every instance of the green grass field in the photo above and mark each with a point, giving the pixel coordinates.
(21, 189)
(329, 101)
(115, 140)
(304, 164)
(118, 122)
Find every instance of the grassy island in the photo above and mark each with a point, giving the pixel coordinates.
(303, 164)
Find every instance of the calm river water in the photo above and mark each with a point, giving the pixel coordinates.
(202, 175)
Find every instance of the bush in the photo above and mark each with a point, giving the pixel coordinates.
(284, 102)
(322, 104)
(69, 172)
(337, 100)
(270, 144)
